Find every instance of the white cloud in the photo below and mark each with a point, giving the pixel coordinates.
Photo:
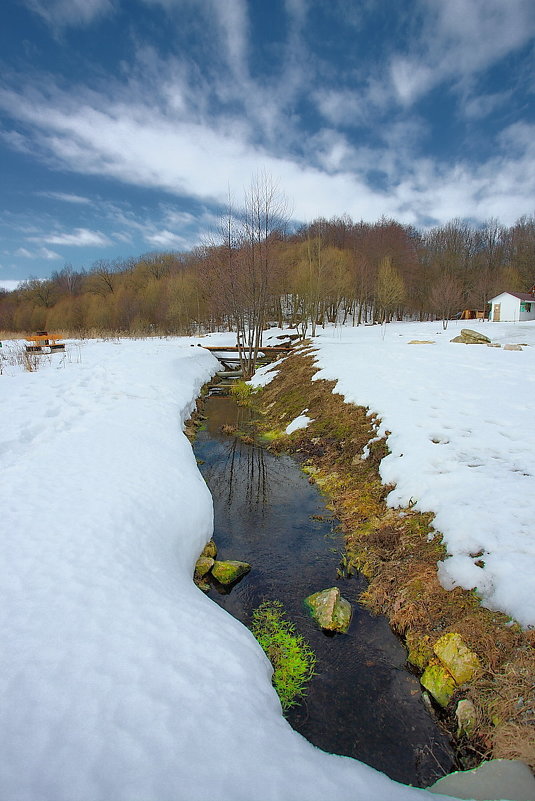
(341, 107)
(42, 253)
(64, 13)
(9, 285)
(170, 137)
(65, 196)
(165, 239)
(80, 237)
(139, 144)
(458, 39)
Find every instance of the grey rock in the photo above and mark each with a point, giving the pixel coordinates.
(330, 610)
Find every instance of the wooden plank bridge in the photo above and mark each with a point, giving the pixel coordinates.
(229, 356)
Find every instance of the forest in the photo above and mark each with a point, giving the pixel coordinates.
(256, 271)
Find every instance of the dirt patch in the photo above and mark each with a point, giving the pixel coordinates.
(397, 550)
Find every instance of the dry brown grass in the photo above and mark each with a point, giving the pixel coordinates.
(397, 550)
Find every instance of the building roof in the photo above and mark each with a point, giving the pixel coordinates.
(519, 295)
(523, 295)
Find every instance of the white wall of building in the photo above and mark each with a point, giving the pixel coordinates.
(510, 310)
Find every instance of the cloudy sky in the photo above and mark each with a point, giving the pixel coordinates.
(124, 124)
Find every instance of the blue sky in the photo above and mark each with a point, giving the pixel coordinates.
(125, 123)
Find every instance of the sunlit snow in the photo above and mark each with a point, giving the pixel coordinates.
(120, 680)
(462, 439)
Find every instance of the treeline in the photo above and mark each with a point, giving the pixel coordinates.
(256, 272)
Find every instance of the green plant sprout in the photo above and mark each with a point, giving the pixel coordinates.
(292, 659)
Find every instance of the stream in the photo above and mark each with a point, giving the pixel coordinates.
(362, 702)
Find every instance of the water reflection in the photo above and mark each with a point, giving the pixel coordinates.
(362, 702)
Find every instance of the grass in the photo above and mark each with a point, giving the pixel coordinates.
(242, 392)
(292, 659)
(398, 550)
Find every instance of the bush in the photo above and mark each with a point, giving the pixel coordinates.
(292, 659)
(243, 392)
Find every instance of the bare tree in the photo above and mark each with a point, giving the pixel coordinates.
(446, 297)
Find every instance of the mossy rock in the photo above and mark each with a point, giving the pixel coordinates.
(461, 662)
(439, 683)
(330, 610)
(230, 571)
(420, 650)
(210, 549)
(203, 566)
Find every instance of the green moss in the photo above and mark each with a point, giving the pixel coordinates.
(271, 436)
(229, 571)
(292, 659)
(243, 392)
(420, 650)
(440, 683)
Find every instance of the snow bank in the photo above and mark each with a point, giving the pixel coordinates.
(301, 421)
(121, 681)
(462, 442)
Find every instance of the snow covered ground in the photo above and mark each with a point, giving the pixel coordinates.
(462, 442)
(119, 679)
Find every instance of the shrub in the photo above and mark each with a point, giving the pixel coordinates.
(243, 392)
(292, 659)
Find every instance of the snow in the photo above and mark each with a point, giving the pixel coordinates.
(120, 680)
(462, 441)
(265, 374)
(301, 421)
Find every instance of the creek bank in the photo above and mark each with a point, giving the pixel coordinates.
(398, 550)
(361, 701)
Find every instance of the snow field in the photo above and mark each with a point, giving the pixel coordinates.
(119, 679)
(462, 442)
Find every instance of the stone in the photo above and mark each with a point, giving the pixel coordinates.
(230, 571)
(439, 682)
(470, 337)
(422, 342)
(496, 779)
(210, 549)
(203, 566)
(461, 662)
(512, 347)
(477, 336)
(330, 610)
(466, 718)
(420, 650)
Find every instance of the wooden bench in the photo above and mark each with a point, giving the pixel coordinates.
(42, 339)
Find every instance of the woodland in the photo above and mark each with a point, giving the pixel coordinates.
(257, 270)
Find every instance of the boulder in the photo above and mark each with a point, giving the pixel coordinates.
(230, 571)
(512, 347)
(470, 337)
(439, 682)
(330, 610)
(422, 342)
(210, 549)
(461, 662)
(476, 336)
(203, 566)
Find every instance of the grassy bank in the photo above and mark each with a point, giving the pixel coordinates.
(397, 550)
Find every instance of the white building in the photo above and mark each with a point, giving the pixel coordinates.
(513, 307)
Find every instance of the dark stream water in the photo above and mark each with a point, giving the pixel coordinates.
(363, 702)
